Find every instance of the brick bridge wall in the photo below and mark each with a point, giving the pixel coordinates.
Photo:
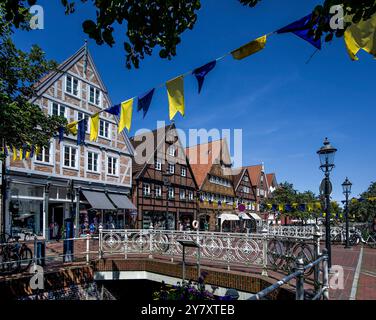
(222, 278)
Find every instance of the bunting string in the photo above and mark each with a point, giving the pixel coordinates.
(356, 38)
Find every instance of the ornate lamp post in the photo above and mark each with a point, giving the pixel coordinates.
(326, 154)
(346, 186)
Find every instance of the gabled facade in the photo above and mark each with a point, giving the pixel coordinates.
(259, 183)
(164, 188)
(43, 189)
(272, 182)
(211, 165)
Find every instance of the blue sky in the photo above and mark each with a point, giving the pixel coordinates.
(284, 106)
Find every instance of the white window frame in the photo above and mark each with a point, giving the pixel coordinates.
(98, 161)
(146, 191)
(78, 86)
(109, 129)
(169, 167)
(190, 196)
(96, 90)
(88, 119)
(172, 151)
(182, 194)
(159, 193)
(171, 193)
(183, 171)
(158, 164)
(59, 105)
(51, 154)
(116, 174)
(70, 155)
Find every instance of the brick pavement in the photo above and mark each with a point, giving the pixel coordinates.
(367, 278)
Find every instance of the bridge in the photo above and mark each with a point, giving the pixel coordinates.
(249, 263)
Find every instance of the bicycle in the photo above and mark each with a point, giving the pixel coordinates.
(357, 237)
(9, 259)
(24, 252)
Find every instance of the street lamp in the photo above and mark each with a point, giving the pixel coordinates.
(346, 186)
(326, 154)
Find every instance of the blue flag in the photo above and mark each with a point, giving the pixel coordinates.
(144, 101)
(6, 151)
(32, 151)
(202, 71)
(81, 131)
(115, 110)
(302, 28)
(61, 134)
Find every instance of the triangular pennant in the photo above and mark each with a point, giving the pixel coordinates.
(201, 72)
(302, 28)
(144, 101)
(115, 110)
(61, 134)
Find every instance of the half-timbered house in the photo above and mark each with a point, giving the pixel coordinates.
(88, 183)
(211, 165)
(164, 188)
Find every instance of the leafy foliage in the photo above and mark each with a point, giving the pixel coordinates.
(364, 211)
(23, 123)
(160, 23)
(285, 194)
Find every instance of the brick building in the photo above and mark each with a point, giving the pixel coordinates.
(164, 188)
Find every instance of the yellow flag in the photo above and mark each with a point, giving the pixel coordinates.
(21, 154)
(175, 92)
(280, 207)
(126, 115)
(14, 154)
(94, 127)
(72, 127)
(250, 48)
(361, 35)
(27, 156)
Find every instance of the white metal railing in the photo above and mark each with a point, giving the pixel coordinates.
(263, 250)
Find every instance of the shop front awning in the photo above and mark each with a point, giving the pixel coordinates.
(98, 200)
(255, 216)
(121, 201)
(228, 217)
(244, 216)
